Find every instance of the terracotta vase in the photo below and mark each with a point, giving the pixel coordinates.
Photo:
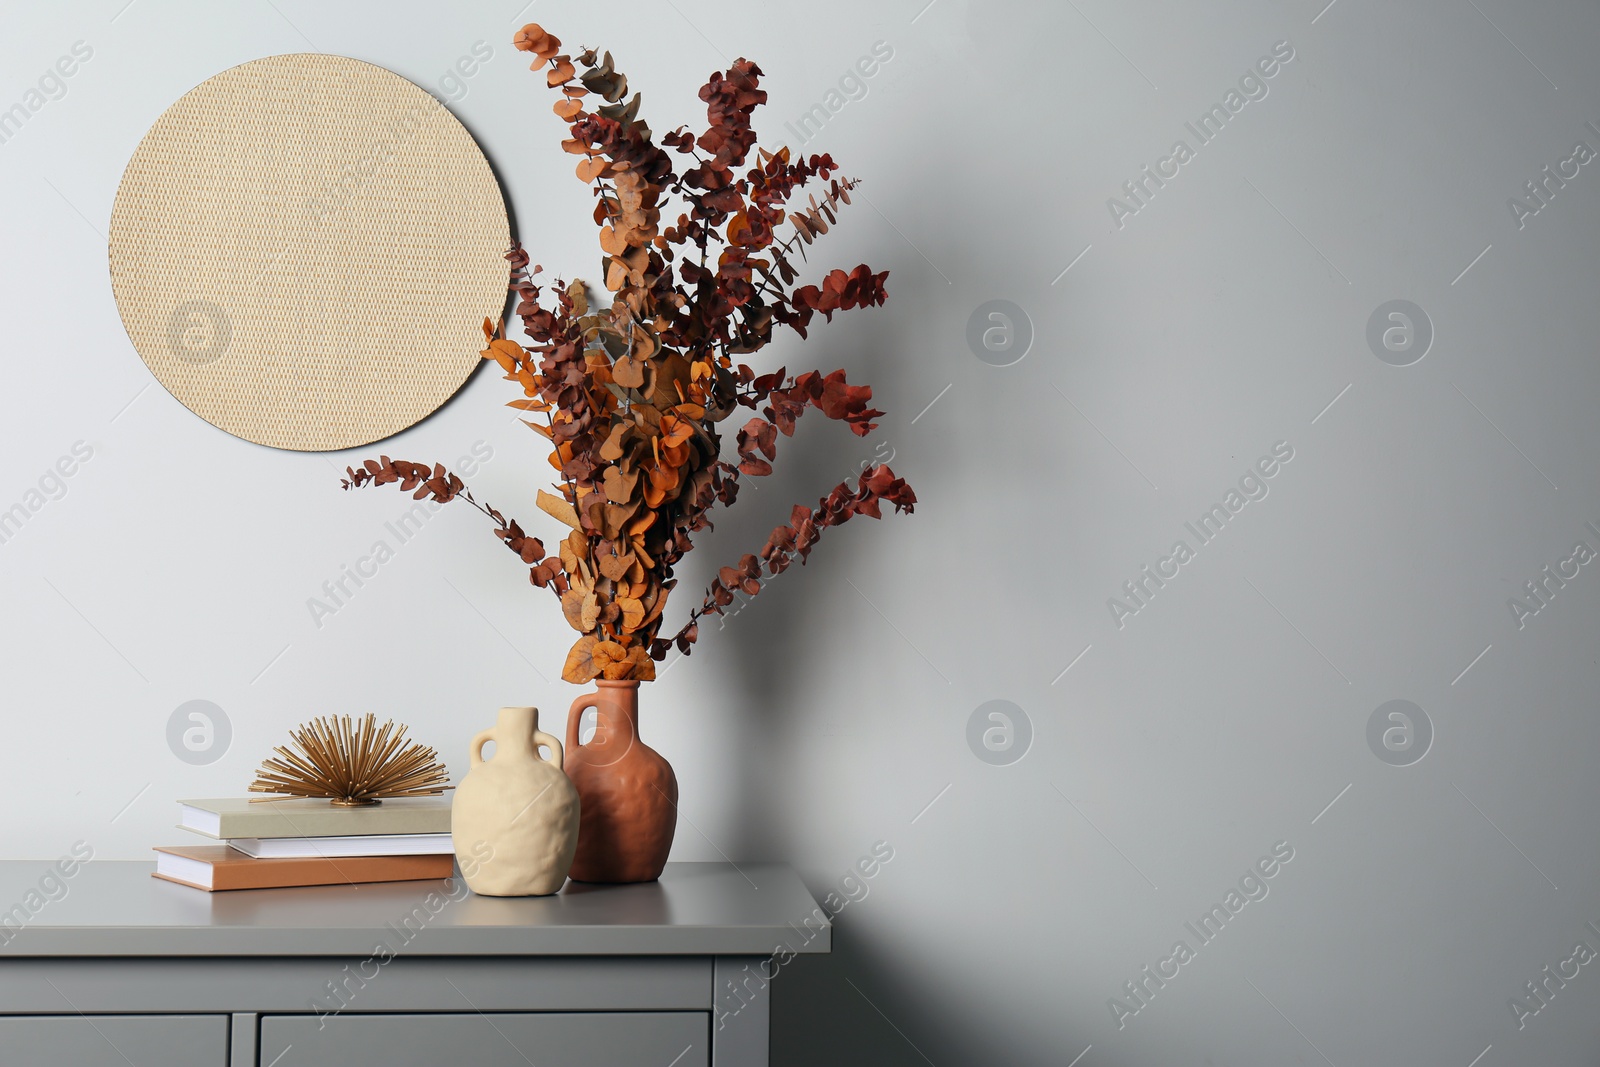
(514, 819)
(628, 791)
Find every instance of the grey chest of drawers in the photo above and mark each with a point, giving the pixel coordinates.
(127, 970)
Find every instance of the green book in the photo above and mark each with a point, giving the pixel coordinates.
(313, 817)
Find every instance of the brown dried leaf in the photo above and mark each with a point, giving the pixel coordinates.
(615, 517)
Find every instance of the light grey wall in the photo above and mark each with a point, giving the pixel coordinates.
(1173, 347)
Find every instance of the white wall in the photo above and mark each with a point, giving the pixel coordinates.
(1220, 319)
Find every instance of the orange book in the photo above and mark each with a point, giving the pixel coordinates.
(218, 867)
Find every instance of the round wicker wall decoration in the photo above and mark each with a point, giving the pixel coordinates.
(303, 249)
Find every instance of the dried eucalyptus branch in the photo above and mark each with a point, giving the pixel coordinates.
(633, 394)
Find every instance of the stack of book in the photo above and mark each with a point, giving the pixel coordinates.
(300, 841)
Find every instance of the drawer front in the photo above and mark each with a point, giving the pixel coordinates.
(492, 1039)
(114, 1040)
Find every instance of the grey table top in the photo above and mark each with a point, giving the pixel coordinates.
(115, 908)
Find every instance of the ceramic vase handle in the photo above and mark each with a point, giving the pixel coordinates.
(477, 746)
(575, 716)
(556, 755)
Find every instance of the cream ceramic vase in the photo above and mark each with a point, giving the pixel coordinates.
(514, 820)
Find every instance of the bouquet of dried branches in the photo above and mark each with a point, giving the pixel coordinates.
(633, 394)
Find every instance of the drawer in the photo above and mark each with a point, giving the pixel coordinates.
(489, 1039)
(114, 1040)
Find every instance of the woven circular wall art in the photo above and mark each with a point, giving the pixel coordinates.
(303, 249)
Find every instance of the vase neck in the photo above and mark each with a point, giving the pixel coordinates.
(617, 712)
(513, 731)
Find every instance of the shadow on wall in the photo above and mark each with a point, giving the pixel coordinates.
(908, 351)
(772, 645)
(771, 637)
(814, 988)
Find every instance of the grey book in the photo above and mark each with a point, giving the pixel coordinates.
(313, 817)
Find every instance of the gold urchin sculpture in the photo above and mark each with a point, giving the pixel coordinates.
(353, 766)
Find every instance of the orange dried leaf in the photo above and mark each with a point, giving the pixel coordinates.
(614, 567)
(580, 666)
(641, 667)
(572, 607)
(616, 269)
(628, 373)
(611, 659)
(589, 612)
(619, 485)
(560, 72)
(558, 509)
(533, 38)
(639, 525)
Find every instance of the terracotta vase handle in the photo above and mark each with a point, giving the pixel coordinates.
(579, 706)
(556, 755)
(477, 746)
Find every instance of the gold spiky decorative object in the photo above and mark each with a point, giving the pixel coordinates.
(353, 766)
